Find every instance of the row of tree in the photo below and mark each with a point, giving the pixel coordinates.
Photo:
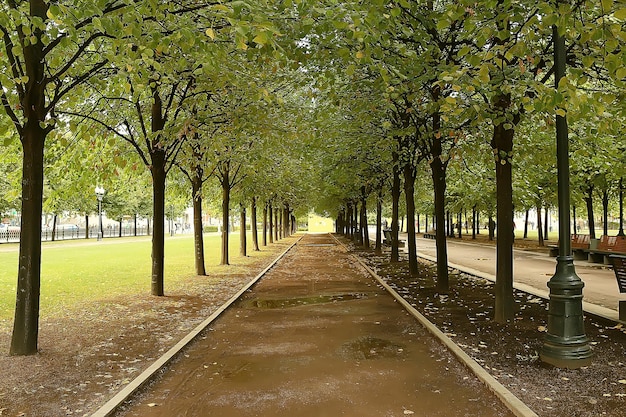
(302, 104)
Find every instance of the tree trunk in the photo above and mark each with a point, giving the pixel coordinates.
(355, 225)
(574, 220)
(120, 231)
(271, 221)
(379, 222)
(438, 174)
(264, 239)
(135, 224)
(364, 232)
(546, 222)
(526, 224)
(280, 222)
(255, 236)
(460, 219)
(286, 221)
(395, 209)
(605, 212)
(225, 181)
(243, 242)
(590, 217)
(86, 226)
(276, 224)
(158, 230)
(474, 222)
(54, 227)
(492, 227)
(502, 145)
(198, 238)
(409, 195)
(541, 240)
(621, 207)
(26, 320)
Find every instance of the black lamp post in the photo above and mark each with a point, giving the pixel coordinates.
(565, 344)
(99, 195)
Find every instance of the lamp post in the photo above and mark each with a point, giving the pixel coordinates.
(565, 344)
(99, 195)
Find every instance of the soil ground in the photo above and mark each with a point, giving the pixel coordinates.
(510, 352)
(86, 356)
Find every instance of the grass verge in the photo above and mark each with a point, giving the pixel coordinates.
(74, 273)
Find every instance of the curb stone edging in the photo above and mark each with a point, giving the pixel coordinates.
(514, 404)
(133, 386)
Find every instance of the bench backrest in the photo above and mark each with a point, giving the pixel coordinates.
(607, 242)
(619, 245)
(580, 241)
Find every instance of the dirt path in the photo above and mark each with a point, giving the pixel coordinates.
(316, 337)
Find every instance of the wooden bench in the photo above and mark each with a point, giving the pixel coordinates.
(607, 246)
(430, 235)
(388, 238)
(580, 247)
(619, 267)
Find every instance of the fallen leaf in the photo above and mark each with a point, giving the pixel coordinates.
(152, 405)
(622, 381)
(408, 412)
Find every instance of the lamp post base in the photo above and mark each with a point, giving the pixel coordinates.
(566, 345)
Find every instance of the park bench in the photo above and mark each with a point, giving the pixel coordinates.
(430, 235)
(580, 247)
(388, 238)
(607, 246)
(619, 267)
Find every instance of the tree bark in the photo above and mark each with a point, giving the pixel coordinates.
(364, 231)
(158, 229)
(276, 224)
(54, 227)
(439, 185)
(540, 238)
(590, 216)
(502, 144)
(546, 223)
(474, 222)
(86, 226)
(26, 320)
(621, 207)
(255, 236)
(271, 221)
(605, 212)
(198, 238)
(379, 222)
(243, 242)
(409, 195)
(265, 225)
(395, 209)
(225, 182)
(526, 224)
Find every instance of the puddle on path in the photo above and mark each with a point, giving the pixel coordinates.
(300, 301)
(340, 347)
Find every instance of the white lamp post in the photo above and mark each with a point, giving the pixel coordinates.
(99, 195)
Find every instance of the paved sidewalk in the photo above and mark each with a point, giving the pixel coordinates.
(317, 337)
(534, 270)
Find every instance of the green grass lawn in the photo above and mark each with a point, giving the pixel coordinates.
(74, 272)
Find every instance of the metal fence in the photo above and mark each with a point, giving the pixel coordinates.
(13, 235)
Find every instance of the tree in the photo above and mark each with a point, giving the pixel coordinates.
(49, 51)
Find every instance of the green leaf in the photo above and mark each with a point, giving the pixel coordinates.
(620, 14)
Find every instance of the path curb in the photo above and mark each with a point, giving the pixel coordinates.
(513, 403)
(133, 386)
(594, 309)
